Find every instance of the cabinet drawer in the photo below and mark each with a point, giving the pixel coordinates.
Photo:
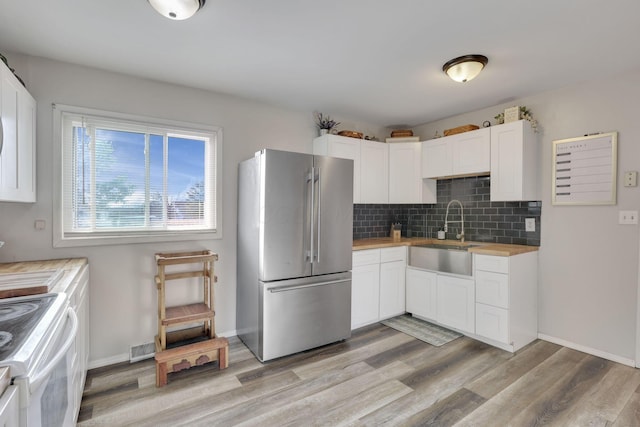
(492, 288)
(366, 257)
(399, 253)
(492, 323)
(498, 264)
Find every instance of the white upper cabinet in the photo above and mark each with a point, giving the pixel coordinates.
(514, 162)
(405, 175)
(343, 148)
(370, 165)
(374, 172)
(382, 173)
(466, 153)
(472, 152)
(18, 136)
(437, 160)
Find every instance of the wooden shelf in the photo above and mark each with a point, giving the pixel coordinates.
(187, 314)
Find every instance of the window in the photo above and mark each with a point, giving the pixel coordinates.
(131, 179)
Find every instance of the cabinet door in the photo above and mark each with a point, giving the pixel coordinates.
(365, 295)
(492, 322)
(492, 288)
(343, 148)
(17, 158)
(405, 176)
(421, 293)
(436, 158)
(9, 407)
(392, 289)
(374, 172)
(513, 162)
(471, 152)
(456, 303)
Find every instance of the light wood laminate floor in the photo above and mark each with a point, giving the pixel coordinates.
(378, 377)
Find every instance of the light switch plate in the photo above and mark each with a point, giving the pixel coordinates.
(628, 217)
(530, 224)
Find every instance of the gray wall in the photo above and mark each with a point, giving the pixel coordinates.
(588, 264)
(123, 295)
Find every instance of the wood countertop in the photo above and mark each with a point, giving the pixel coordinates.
(71, 267)
(496, 249)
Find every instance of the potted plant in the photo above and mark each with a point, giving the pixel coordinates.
(325, 123)
(525, 114)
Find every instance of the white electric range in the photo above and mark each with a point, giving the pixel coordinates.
(36, 337)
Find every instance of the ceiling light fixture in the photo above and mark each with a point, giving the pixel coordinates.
(177, 9)
(465, 68)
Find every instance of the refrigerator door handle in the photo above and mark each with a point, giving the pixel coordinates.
(311, 285)
(318, 222)
(311, 185)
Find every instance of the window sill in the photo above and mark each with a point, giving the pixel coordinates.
(95, 240)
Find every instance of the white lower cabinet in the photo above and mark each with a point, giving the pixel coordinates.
(506, 299)
(9, 407)
(421, 293)
(377, 285)
(365, 294)
(456, 303)
(78, 293)
(392, 288)
(492, 322)
(447, 300)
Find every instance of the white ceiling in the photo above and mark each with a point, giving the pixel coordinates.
(375, 60)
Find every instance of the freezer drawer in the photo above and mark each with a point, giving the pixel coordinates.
(304, 313)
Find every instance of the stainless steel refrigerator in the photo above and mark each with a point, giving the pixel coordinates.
(295, 220)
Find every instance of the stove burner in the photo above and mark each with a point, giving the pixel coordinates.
(13, 311)
(19, 317)
(5, 338)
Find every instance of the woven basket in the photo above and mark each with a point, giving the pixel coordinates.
(400, 133)
(351, 134)
(460, 129)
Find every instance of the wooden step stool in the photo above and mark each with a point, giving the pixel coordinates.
(187, 356)
(192, 346)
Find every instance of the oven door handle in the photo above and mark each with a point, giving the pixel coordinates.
(44, 373)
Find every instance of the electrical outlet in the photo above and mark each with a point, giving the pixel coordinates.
(631, 179)
(39, 224)
(628, 217)
(530, 224)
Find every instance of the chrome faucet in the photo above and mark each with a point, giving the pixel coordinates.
(446, 220)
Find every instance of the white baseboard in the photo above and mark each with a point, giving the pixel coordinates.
(589, 350)
(109, 361)
(112, 360)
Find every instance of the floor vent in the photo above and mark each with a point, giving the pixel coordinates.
(141, 352)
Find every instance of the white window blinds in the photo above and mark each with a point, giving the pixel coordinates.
(127, 177)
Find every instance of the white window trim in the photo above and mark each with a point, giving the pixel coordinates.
(59, 238)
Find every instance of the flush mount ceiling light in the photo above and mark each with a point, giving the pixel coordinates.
(177, 9)
(465, 68)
